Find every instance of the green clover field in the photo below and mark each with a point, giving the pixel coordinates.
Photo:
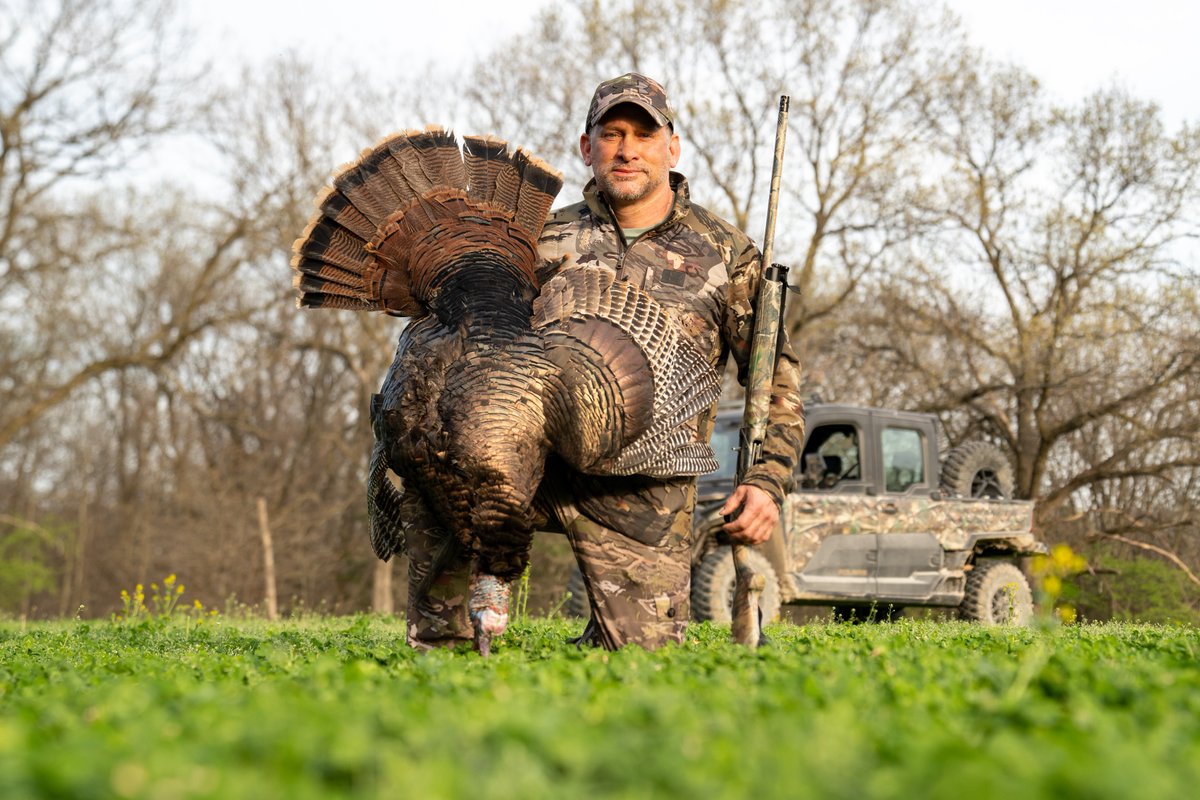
(341, 708)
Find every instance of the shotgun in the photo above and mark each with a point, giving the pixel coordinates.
(768, 319)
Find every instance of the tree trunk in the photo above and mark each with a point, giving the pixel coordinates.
(382, 601)
(268, 560)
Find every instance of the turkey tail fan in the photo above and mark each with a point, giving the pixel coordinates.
(540, 184)
(428, 160)
(507, 188)
(622, 365)
(337, 208)
(514, 181)
(400, 168)
(412, 205)
(336, 255)
(490, 225)
(485, 158)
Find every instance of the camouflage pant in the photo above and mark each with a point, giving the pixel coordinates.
(639, 593)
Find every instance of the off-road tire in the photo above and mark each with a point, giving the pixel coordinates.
(997, 593)
(576, 604)
(977, 469)
(712, 586)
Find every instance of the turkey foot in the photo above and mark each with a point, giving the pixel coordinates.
(488, 608)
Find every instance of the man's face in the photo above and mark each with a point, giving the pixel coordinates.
(630, 155)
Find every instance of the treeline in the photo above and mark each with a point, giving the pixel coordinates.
(959, 244)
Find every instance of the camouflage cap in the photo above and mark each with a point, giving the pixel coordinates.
(631, 88)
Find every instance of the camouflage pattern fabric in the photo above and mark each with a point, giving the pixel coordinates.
(810, 518)
(437, 617)
(631, 87)
(632, 536)
(638, 585)
(706, 273)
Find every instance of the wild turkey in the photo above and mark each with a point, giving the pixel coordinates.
(494, 372)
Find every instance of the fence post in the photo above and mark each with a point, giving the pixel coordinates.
(382, 601)
(268, 560)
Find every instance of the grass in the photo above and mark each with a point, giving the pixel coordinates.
(340, 707)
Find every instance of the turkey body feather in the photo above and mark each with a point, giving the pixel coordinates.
(463, 425)
(494, 372)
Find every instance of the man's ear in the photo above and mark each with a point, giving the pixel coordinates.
(585, 149)
(674, 148)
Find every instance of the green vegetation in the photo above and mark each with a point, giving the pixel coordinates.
(27, 551)
(1137, 588)
(340, 707)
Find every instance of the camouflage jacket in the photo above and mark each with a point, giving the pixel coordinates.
(706, 273)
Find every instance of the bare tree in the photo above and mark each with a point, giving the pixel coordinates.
(156, 374)
(855, 71)
(85, 85)
(1051, 312)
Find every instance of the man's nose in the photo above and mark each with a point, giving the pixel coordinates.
(625, 150)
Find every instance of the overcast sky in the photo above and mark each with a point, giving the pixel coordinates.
(1077, 46)
(1073, 46)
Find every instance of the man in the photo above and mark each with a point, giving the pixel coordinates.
(632, 535)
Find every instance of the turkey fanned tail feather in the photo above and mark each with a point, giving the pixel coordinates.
(407, 207)
(628, 382)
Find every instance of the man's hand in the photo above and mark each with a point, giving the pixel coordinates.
(757, 518)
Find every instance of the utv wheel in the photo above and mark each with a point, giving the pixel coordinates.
(977, 469)
(576, 604)
(997, 593)
(712, 586)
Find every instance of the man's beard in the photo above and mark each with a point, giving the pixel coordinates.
(629, 191)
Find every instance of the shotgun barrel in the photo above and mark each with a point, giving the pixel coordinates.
(768, 319)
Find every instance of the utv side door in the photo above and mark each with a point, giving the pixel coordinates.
(909, 560)
(831, 555)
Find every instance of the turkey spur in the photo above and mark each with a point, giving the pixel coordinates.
(494, 372)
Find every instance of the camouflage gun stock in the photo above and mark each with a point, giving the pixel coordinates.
(764, 348)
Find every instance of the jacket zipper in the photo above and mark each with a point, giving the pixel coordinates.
(623, 248)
